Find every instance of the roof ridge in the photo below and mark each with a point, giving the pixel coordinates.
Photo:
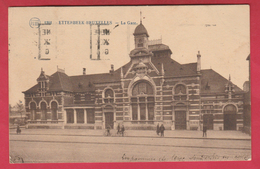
(89, 74)
(189, 63)
(206, 69)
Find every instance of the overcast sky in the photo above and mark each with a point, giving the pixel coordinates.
(219, 32)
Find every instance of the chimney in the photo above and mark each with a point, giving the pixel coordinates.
(84, 71)
(122, 74)
(162, 70)
(112, 69)
(198, 62)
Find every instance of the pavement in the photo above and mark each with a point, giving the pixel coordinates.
(182, 134)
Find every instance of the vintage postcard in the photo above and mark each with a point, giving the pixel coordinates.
(129, 84)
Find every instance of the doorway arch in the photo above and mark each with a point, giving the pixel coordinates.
(230, 118)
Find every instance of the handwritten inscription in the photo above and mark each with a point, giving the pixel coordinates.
(134, 158)
(207, 25)
(212, 157)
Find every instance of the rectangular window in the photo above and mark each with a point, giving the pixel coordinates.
(87, 97)
(150, 111)
(70, 116)
(77, 97)
(54, 114)
(44, 114)
(134, 99)
(91, 116)
(140, 45)
(80, 115)
(141, 99)
(33, 112)
(134, 112)
(142, 111)
(150, 99)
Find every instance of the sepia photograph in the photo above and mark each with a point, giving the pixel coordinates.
(99, 84)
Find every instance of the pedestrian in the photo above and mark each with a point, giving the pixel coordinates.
(108, 130)
(123, 130)
(118, 128)
(205, 130)
(162, 128)
(158, 129)
(18, 130)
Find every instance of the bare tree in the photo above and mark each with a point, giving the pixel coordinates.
(20, 108)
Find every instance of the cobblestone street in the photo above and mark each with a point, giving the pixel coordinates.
(42, 146)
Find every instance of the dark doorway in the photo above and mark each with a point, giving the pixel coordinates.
(70, 116)
(208, 121)
(180, 120)
(230, 117)
(229, 121)
(109, 120)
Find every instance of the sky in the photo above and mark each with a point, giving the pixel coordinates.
(220, 32)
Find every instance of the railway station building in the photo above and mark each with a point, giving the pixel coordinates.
(151, 88)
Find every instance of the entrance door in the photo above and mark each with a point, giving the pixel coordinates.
(180, 120)
(229, 121)
(230, 117)
(208, 120)
(109, 119)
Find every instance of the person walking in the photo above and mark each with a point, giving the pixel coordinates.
(123, 130)
(108, 130)
(162, 128)
(18, 130)
(158, 129)
(205, 130)
(118, 128)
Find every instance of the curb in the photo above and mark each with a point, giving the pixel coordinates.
(89, 135)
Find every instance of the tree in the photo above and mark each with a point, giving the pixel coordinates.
(10, 109)
(20, 108)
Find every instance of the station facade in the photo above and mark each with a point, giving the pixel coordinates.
(151, 88)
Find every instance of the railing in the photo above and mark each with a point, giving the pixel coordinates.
(44, 121)
(142, 122)
(155, 42)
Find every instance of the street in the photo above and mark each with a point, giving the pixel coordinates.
(60, 148)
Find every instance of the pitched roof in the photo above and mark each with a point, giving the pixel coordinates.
(215, 81)
(84, 83)
(173, 68)
(57, 82)
(32, 89)
(159, 47)
(248, 57)
(60, 82)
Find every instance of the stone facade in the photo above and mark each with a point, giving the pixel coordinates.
(152, 88)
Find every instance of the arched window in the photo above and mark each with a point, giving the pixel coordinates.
(180, 92)
(109, 96)
(33, 110)
(230, 109)
(109, 93)
(54, 108)
(142, 88)
(180, 89)
(44, 111)
(142, 102)
(140, 43)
